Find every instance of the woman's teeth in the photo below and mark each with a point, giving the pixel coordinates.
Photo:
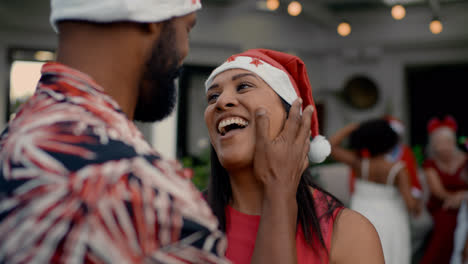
(224, 124)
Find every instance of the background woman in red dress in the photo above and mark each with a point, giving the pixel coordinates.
(443, 170)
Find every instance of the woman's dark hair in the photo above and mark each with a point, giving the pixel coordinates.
(219, 195)
(376, 136)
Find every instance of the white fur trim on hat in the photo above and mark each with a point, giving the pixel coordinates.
(277, 79)
(105, 11)
(397, 126)
(319, 149)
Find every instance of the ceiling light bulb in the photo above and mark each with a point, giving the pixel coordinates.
(398, 12)
(436, 26)
(344, 29)
(272, 4)
(294, 8)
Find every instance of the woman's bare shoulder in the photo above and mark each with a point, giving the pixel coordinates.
(355, 240)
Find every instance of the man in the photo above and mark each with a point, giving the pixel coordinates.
(78, 184)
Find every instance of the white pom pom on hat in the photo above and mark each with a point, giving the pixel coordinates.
(319, 149)
(287, 75)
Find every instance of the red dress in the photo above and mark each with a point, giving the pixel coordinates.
(241, 231)
(440, 247)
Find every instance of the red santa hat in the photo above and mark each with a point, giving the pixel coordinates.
(106, 11)
(396, 124)
(287, 76)
(448, 122)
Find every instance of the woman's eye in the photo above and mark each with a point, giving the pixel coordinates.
(212, 97)
(242, 86)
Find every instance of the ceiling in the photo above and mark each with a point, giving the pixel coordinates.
(321, 12)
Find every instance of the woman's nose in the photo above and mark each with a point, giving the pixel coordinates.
(226, 100)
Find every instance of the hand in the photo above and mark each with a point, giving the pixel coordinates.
(416, 208)
(279, 163)
(454, 201)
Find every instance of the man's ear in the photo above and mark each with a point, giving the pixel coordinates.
(152, 28)
(151, 32)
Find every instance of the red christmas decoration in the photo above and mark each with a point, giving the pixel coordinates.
(256, 62)
(232, 58)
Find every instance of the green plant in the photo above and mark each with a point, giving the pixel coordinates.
(418, 154)
(200, 166)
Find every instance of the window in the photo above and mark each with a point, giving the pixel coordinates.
(25, 71)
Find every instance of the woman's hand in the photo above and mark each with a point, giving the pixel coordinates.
(455, 200)
(279, 163)
(416, 207)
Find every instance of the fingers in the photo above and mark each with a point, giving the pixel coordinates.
(305, 144)
(294, 120)
(304, 130)
(305, 164)
(449, 204)
(262, 126)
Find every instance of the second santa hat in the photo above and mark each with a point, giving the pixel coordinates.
(287, 76)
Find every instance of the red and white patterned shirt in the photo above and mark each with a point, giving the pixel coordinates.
(79, 184)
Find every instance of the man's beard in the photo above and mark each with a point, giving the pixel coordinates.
(157, 92)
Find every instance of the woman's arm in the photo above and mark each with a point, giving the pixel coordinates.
(451, 199)
(338, 152)
(435, 185)
(355, 240)
(278, 166)
(276, 236)
(455, 199)
(404, 186)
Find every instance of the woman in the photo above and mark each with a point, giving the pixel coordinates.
(448, 187)
(268, 217)
(382, 191)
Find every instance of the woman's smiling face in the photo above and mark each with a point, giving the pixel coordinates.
(233, 98)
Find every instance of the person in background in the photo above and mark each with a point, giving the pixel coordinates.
(302, 223)
(402, 152)
(460, 250)
(382, 192)
(78, 183)
(420, 225)
(443, 169)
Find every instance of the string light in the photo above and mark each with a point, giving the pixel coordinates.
(398, 12)
(272, 4)
(344, 29)
(294, 8)
(436, 26)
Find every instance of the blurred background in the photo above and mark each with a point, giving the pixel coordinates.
(365, 58)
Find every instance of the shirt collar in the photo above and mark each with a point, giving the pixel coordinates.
(89, 85)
